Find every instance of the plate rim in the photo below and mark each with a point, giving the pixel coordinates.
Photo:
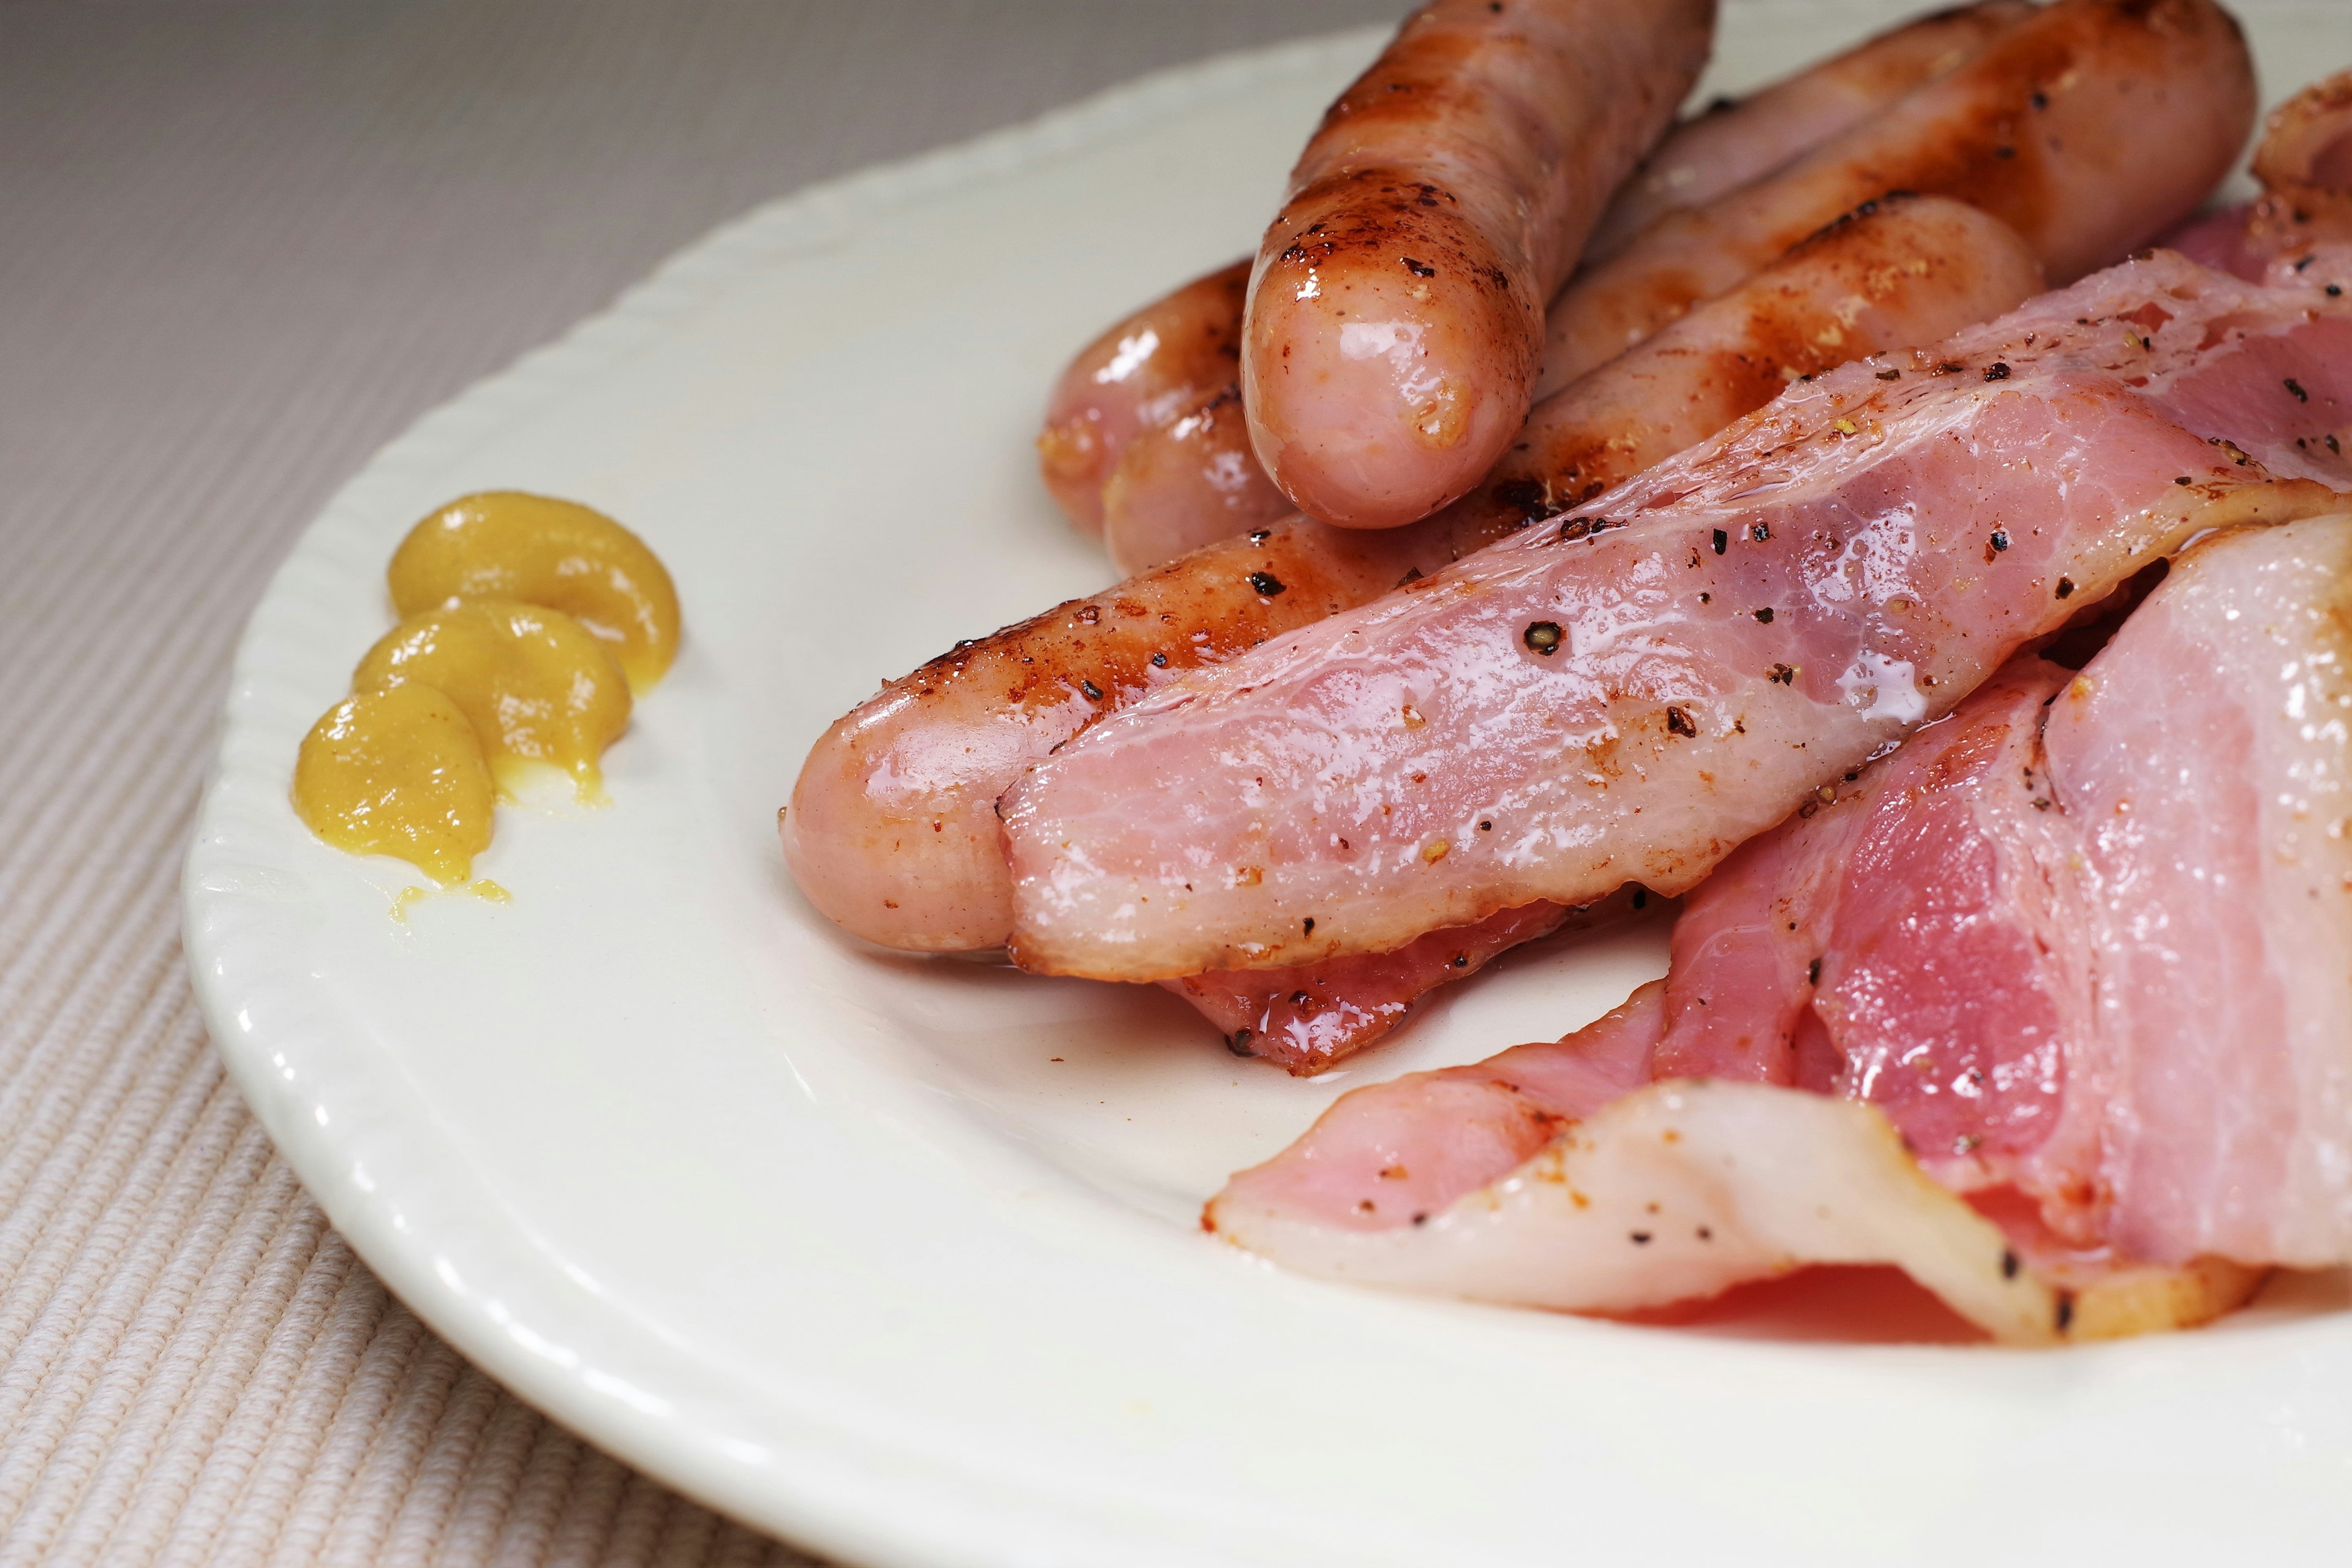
(799, 1500)
(833, 1497)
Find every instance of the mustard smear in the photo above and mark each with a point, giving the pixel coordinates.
(409, 898)
(538, 688)
(529, 626)
(398, 772)
(504, 544)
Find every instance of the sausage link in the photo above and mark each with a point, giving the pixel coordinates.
(1734, 141)
(1395, 317)
(1892, 274)
(1147, 370)
(2089, 128)
(1189, 483)
(892, 828)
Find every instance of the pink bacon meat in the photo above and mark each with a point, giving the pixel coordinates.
(2083, 945)
(1626, 695)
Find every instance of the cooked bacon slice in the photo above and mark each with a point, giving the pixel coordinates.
(1559, 1176)
(2083, 945)
(1680, 1190)
(1627, 695)
(2085, 940)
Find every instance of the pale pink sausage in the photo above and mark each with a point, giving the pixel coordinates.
(892, 831)
(1154, 366)
(2089, 129)
(1191, 482)
(1734, 141)
(1395, 319)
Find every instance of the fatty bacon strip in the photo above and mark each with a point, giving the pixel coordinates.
(1626, 695)
(2081, 953)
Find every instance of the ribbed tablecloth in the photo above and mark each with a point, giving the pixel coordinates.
(242, 246)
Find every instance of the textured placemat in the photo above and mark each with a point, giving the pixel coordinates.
(243, 246)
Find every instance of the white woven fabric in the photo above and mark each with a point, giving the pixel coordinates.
(245, 245)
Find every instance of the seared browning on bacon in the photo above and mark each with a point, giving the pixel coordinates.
(1627, 693)
(893, 831)
(1304, 1020)
(2083, 944)
(2089, 128)
(1147, 371)
(1396, 313)
(1734, 141)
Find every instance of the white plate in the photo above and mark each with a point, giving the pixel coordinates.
(898, 1257)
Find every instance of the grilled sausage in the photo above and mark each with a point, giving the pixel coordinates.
(1395, 319)
(2089, 129)
(1179, 482)
(1154, 366)
(1734, 141)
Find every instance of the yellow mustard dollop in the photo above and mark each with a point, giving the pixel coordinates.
(529, 626)
(540, 689)
(506, 544)
(398, 772)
